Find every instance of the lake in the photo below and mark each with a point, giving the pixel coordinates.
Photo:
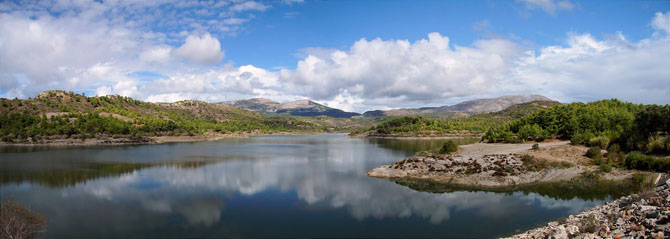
(270, 186)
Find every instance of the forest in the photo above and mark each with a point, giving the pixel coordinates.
(612, 125)
(471, 124)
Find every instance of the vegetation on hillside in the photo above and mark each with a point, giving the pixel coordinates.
(606, 124)
(455, 123)
(63, 114)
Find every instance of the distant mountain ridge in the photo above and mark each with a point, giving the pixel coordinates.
(294, 108)
(491, 104)
(470, 106)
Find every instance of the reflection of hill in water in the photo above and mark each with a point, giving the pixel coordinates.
(564, 190)
(416, 145)
(77, 172)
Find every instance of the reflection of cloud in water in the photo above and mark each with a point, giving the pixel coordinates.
(337, 181)
(203, 211)
(573, 206)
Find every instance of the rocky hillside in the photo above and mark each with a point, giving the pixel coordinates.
(470, 107)
(292, 108)
(57, 102)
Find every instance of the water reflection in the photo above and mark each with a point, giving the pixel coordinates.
(291, 186)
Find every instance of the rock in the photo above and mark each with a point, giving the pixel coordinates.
(559, 233)
(619, 221)
(658, 235)
(572, 230)
(652, 214)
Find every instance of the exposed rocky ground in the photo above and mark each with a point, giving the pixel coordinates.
(495, 165)
(644, 215)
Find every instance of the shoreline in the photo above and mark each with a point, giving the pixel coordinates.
(146, 140)
(554, 166)
(415, 136)
(641, 215)
(498, 165)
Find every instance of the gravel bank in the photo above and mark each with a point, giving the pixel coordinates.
(644, 215)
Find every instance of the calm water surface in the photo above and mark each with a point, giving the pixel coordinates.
(274, 186)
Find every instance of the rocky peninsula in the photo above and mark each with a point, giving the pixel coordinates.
(499, 165)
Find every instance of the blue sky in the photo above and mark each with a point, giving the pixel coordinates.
(337, 24)
(355, 55)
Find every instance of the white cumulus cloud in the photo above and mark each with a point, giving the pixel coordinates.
(661, 22)
(201, 49)
(400, 70)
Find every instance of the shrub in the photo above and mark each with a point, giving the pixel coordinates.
(598, 160)
(449, 147)
(612, 157)
(606, 167)
(600, 141)
(526, 158)
(536, 146)
(593, 152)
(17, 221)
(658, 145)
(640, 161)
(614, 148)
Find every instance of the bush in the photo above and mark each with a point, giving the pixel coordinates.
(658, 145)
(536, 146)
(449, 147)
(606, 167)
(593, 152)
(600, 141)
(640, 161)
(17, 221)
(526, 158)
(598, 160)
(614, 148)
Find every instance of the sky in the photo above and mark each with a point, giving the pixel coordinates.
(352, 55)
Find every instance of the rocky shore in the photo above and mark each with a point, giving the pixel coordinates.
(643, 215)
(498, 165)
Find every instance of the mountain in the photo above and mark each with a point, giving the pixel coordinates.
(256, 104)
(294, 108)
(451, 123)
(470, 107)
(491, 104)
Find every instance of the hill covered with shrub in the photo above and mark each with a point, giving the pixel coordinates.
(631, 127)
(65, 114)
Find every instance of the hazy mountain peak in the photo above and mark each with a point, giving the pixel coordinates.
(491, 104)
(303, 107)
(470, 106)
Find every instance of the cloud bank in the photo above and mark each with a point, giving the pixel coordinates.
(126, 48)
